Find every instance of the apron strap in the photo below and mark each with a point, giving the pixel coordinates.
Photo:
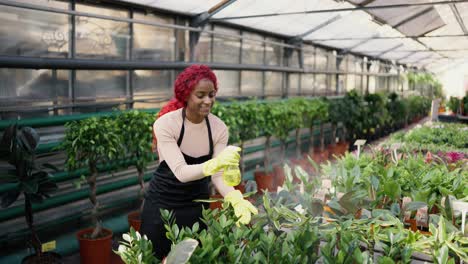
(182, 131)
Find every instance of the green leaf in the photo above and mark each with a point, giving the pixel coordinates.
(413, 206)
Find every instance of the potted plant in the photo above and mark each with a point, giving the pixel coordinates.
(454, 105)
(247, 127)
(135, 128)
(264, 179)
(17, 149)
(321, 154)
(286, 118)
(87, 143)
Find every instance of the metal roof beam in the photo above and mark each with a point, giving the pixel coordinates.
(407, 55)
(320, 26)
(388, 50)
(346, 9)
(458, 17)
(399, 37)
(364, 41)
(203, 18)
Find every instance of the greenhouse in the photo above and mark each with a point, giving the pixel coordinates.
(233, 131)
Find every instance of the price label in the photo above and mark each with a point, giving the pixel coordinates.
(49, 246)
(360, 142)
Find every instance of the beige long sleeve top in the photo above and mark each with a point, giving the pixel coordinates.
(195, 143)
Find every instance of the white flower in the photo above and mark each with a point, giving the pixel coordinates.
(145, 237)
(127, 237)
(138, 235)
(122, 249)
(299, 209)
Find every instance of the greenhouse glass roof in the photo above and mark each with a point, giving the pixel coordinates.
(420, 33)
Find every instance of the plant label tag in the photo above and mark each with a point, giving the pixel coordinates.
(396, 145)
(360, 142)
(49, 246)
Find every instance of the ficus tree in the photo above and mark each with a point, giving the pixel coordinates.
(89, 142)
(135, 129)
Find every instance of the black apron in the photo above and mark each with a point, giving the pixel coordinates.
(165, 191)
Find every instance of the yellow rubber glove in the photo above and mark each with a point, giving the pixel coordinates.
(228, 157)
(231, 175)
(242, 208)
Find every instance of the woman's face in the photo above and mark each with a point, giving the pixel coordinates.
(202, 98)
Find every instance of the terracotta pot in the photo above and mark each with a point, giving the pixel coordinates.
(215, 205)
(279, 176)
(47, 257)
(343, 146)
(134, 220)
(264, 181)
(95, 251)
(333, 150)
(412, 222)
(320, 156)
(240, 187)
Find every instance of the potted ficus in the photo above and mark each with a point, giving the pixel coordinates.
(286, 118)
(87, 143)
(264, 178)
(336, 114)
(17, 150)
(247, 126)
(135, 129)
(321, 154)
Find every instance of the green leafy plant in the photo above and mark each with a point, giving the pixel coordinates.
(454, 104)
(134, 249)
(443, 244)
(135, 128)
(88, 142)
(17, 149)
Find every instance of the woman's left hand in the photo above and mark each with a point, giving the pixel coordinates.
(242, 208)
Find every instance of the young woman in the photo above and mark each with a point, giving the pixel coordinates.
(192, 145)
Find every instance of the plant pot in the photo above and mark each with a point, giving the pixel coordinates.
(95, 251)
(264, 181)
(134, 220)
(412, 224)
(47, 257)
(240, 187)
(320, 156)
(279, 176)
(216, 205)
(343, 146)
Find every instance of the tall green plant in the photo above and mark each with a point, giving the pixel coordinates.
(285, 118)
(17, 149)
(87, 143)
(266, 122)
(135, 128)
(298, 105)
(454, 104)
(247, 125)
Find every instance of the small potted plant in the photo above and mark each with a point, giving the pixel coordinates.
(264, 179)
(87, 143)
(135, 128)
(17, 148)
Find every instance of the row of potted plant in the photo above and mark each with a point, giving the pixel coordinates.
(293, 225)
(434, 137)
(87, 143)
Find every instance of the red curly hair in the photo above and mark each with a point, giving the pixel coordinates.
(183, 86)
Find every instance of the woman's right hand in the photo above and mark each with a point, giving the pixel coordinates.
(228, 157)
